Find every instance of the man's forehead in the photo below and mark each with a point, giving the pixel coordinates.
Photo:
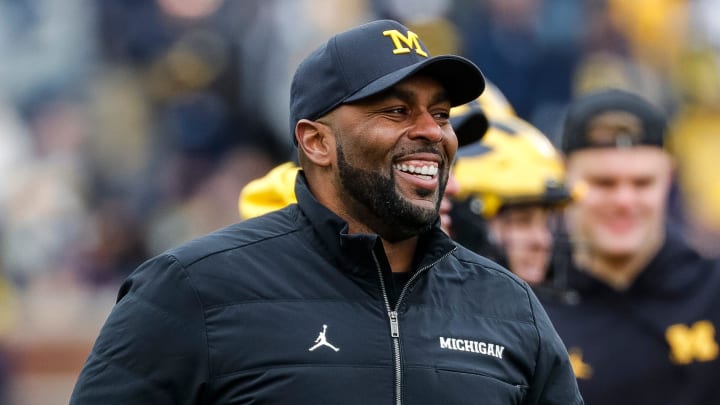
(637, 159)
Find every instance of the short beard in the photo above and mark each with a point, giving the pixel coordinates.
(379, 204)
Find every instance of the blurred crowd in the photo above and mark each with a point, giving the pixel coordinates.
(129, 126)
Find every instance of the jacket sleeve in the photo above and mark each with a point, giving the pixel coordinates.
(554, 382)
(152, 348)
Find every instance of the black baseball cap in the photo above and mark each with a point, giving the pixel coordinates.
(369, 59)
(469, 122)
(585, 110)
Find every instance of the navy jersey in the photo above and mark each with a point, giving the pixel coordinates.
(654, 343)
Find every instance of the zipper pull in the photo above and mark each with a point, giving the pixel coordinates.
(394, 328)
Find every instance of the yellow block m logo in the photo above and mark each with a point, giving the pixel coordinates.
(403, 44)
(692, 343)
(581, 369)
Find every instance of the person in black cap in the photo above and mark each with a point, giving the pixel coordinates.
(353, 295)
(645, 327)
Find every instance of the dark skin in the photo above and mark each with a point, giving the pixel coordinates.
(382, 163)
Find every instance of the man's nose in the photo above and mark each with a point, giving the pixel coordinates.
(624, 195)
(427, 127)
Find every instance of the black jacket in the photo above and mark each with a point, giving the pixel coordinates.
(289, 309)
(656, 342)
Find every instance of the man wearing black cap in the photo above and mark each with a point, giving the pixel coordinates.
(644, 330)
(353, 295)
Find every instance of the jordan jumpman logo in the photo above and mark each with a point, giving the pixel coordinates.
(322, 341)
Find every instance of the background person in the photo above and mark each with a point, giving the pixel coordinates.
(511, 185)
(230, 317)
(644, 330)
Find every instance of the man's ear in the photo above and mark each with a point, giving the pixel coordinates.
(316, 141)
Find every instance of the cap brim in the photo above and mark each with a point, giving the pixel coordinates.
(470, 126)
(461, 78)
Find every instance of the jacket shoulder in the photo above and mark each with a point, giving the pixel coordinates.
(250, 232)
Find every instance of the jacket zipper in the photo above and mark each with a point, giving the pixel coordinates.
(393, 317)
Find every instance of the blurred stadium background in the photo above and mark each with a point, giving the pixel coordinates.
(129, 126)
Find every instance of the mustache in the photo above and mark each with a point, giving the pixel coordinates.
(427, 149)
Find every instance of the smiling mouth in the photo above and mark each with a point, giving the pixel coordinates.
(425, 172)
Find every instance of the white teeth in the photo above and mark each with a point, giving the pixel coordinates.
(428, 170)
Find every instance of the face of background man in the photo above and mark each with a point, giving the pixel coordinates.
(624, 205)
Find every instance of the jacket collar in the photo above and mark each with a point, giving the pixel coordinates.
(354, 251)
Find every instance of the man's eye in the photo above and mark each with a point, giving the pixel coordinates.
(644, 182)
(602, 183)
(397, 110)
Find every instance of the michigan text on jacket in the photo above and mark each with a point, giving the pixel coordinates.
(473, 346)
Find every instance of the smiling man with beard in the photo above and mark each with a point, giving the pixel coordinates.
(399, 196)
(354, 295)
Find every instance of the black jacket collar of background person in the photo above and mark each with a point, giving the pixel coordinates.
(354, 251)
(670, 273)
